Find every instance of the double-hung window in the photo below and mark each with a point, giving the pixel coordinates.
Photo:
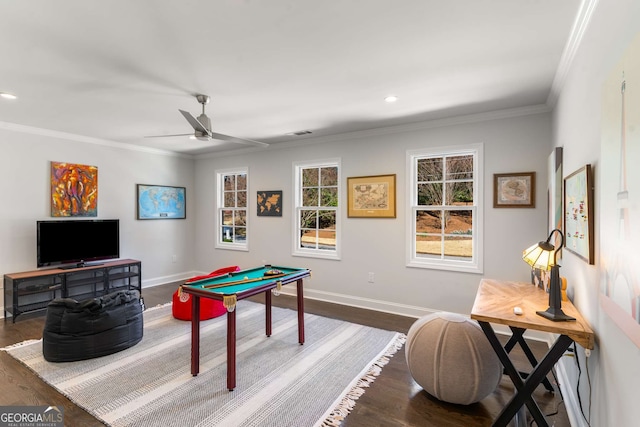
(445, 212)
(232, 209)
(316, 220)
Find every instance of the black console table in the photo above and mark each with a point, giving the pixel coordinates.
(31, 291)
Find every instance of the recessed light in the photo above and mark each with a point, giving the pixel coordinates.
(7, 95)
(391, 98)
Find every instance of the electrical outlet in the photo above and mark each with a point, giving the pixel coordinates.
(371, 277)
(174, 258)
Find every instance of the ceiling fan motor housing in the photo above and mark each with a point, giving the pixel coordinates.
(206, 123)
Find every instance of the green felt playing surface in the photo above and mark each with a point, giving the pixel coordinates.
(250, 275)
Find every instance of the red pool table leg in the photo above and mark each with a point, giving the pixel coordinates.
(195, 335)
(231, 350)
(300, 312)
(267, 303)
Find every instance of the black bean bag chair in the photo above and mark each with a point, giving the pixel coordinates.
(78, 330)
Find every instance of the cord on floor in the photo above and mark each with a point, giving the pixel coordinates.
(578, 385)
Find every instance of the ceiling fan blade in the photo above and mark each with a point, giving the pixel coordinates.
(194, 122)
(223, 137)
(165, 136)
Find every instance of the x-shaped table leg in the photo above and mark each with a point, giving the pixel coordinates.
(524, 389)
(517, 338)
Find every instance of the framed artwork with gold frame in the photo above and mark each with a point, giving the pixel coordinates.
(371, 196)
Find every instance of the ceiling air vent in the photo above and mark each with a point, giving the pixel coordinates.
(299, 133)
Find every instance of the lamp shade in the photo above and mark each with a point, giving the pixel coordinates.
(540, 256)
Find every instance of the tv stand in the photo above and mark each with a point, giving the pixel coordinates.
(32, 291)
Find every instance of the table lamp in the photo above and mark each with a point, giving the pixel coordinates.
(542, 255)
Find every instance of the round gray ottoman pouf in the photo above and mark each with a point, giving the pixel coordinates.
(451, 359)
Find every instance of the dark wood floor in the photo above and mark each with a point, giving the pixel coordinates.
(394, 399)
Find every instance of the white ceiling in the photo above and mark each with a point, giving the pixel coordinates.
(119, 70)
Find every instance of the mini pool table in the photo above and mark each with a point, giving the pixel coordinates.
(230, 289)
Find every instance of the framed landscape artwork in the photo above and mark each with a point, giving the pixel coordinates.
(371, 196)
(74, 190)
(514, 190)
(161, 202)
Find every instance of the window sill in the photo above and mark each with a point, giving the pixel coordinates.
(447, 266)
(231, 247)
(314, 254)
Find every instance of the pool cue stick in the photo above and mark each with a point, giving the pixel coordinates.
(240, 282)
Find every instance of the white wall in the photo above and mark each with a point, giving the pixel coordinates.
(615, 364)
(25, 189)
(514, 144)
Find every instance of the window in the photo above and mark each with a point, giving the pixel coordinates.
(445, 212)
(232, 209)
(317, 187)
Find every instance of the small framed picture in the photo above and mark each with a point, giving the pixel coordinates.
(269, 203)
(514, 190)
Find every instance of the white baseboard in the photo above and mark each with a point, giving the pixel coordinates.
(360, 302)
(163, 280)
(569, 395)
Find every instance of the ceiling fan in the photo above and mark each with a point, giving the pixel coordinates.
(202, 127)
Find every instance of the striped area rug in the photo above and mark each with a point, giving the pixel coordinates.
(279, 382)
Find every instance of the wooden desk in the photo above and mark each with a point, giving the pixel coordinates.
(494, 303)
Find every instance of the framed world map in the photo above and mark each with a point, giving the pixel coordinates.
(161, 202)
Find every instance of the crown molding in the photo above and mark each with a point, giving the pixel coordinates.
(86, 139)
(583, 18)
(388, 130)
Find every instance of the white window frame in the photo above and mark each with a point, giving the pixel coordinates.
(297, 250)
(220, 244)
(475, 265)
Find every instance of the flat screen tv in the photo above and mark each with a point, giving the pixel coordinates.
(72, 243)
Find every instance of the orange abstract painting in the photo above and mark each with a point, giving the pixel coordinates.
(74, 190)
